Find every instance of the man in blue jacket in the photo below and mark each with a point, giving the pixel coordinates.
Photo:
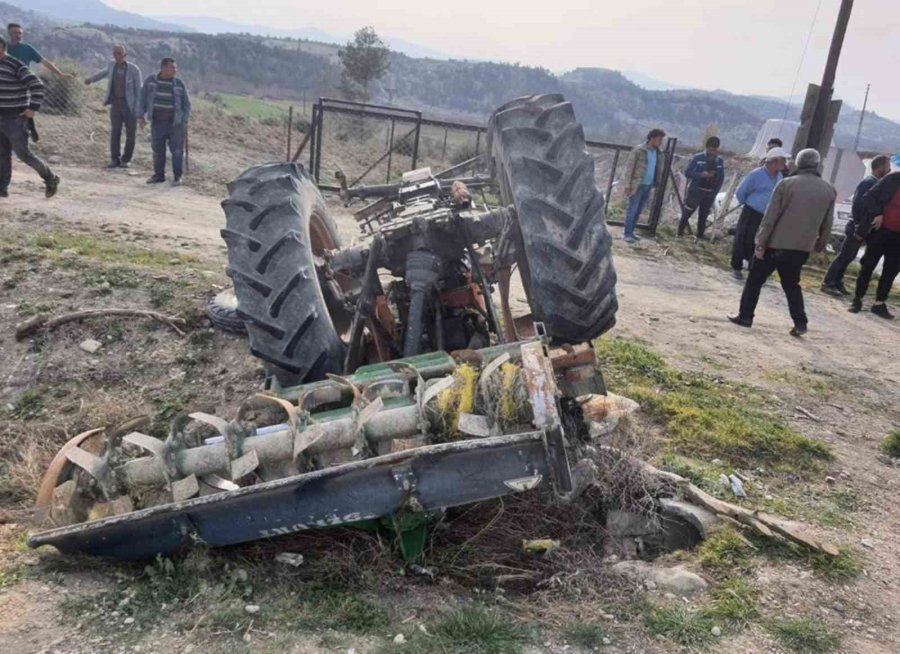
(834, 278)
(754, 193)
(706, 173)
(123, 93)
(165, 103)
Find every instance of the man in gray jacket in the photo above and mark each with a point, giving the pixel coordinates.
(797, 220)
(123, 93)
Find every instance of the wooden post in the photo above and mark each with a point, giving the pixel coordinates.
(290, 131)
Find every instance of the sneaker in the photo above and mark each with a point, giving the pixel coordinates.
(798, 330)
(831, 289)
(51, 185)
(113, 164)
(741, 322)
(631, 240)
(881, 311)
(841, 288)
(855, 306)
(177, 182)
(737, 275)
(155, 180)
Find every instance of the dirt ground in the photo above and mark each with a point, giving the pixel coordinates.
(839, 384)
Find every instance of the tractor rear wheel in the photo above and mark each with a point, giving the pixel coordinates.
(276, 226)
(564, 252)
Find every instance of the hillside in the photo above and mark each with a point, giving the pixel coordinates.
(611, 107)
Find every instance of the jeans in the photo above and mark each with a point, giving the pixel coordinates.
(881, 243)
(696, 199)
(14, 138)
(162, 134)
(788, 263)
(844, 258)
(119, 117)
(635, 206)
(745, 237)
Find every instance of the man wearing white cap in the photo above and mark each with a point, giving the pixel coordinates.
(754, 193)
(797, 221)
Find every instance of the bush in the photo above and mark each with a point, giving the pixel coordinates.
(891, 444)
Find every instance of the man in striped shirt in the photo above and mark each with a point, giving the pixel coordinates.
(165, 103)
(21, 94)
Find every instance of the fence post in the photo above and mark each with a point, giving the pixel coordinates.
(314, 137)
(290, 130)
(444, 148)
(415, 154)
(612, 176)
(390, 152)
(659, 197)
(320, 133)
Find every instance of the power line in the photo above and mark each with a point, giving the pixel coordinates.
(812, 26)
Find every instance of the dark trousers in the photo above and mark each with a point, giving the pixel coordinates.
(788, 263)
(881, 243)
(14, 138)
(119, 117)
(744, 235)
(844, 258)
(696, 200)
(163, 134)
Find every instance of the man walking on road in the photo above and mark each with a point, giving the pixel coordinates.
(754, 192)
(21, 94)
(833, 283)
(27, 54)
(643, 171)
(797, 221)
(707, 173)
(165, 103)
(123, 93)
(881, 228)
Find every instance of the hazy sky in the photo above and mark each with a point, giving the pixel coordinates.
(743, 46)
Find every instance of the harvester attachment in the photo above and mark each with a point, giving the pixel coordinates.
(392, 439)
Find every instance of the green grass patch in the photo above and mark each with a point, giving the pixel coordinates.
(251, 107)
(470, 631)
(805, 636)
(105, 250)
(734, 603)
(707, 418)
(725, 551)
(680, 625)
(843, 567)
(891, 444)
(586, 635)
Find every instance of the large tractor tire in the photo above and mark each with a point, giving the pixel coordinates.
(539, 158)
(276, 225)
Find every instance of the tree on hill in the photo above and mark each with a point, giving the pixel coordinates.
(364, 59)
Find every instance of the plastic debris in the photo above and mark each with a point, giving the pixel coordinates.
(540, 545)
(292, 559)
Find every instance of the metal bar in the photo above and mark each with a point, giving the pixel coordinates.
(415, 152)
(320, 133)
(290, 131)
(302, 145)
(612, 176)
(387, 179)
(442, 476)
(660, 192)
(494, 324)
(459, 166)
(675, 188)
(363, 306)
(313, 129)
(444, 147)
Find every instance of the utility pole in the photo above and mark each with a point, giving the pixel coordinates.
(818, 127)
(862, 116)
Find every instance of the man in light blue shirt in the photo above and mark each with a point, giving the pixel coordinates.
(754, 193)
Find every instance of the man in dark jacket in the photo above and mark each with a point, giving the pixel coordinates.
(706, 173)
(165, 103)
(21, 95)
(834, 278)
(881, 229)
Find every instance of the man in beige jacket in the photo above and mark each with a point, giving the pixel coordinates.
(797, 220)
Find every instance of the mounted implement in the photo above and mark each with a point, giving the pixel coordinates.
(365, 414)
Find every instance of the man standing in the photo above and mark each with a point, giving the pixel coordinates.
(643, 170)
(21, 94)
(797, 220)
(881, 228)
(123, 92)
(834, 278)
(27, 54)
(165, 103)
(754, 193)
(707, 173)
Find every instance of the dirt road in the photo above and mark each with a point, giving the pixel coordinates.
(845, 374)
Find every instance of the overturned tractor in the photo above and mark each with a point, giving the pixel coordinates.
(396, 386)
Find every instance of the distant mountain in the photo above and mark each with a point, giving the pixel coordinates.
(94, 11)
(211, 25)
(651, 83)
